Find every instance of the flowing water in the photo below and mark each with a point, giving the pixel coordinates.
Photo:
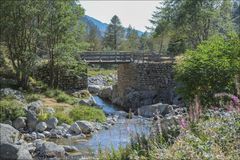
(117, 135)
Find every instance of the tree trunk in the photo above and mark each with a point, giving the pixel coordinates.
(51, 83)
(237, 84)
(25, 78)
(22, 79)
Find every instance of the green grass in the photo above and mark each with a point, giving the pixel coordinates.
(87, 113)
(43, 116)
(63, 118)
(60, 96)
(74, 113)
(10, 109)
(33, 97)
(96, 71)
(60, 114)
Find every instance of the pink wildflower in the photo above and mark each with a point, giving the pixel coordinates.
(183, 123)
(235, 100)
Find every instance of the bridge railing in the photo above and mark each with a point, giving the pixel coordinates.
(151, 58)
(122, 57)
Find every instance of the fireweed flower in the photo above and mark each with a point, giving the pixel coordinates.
(182, 123)
(235, 100)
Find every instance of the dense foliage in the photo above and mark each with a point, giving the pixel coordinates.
(10, 109)
(192, 21)
(209, 69)
(31, 30)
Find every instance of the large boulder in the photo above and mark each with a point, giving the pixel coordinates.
(75, 128)
(11, 151)
(49, 110)
(97, 80)
(8, 122)
(35, 106)
(106, 92)
(90, 101)
(31, 120)
(41, 126)
(70, 148)
(5, 92)
(38, 144)
(40, 136)
(59, 131)
(151, 110)
(134, 99)
(52, 123)
(121, 114)
(20, 122)
(50, 150)
(81, 94)
(8, 134)
(94, 89)
(86, 127)
(102, 80)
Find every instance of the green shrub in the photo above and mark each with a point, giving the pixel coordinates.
(33, 97)
(87, 113)
(209, 69)
(10, 109)
(43, 116)
(36, 84)
(60, 96)
(51, 93)
(63, 118)
(64, 98)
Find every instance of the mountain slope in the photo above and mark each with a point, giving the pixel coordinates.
(102, 27)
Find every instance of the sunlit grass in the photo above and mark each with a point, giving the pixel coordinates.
(97, 71)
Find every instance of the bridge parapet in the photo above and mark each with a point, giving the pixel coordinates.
(123, 57)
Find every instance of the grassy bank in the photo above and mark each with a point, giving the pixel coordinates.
(66, 107)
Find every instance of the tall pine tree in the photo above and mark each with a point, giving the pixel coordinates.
(114, 34)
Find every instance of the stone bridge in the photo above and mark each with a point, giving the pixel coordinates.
(143, 79)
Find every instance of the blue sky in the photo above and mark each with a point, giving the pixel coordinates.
(135, 13)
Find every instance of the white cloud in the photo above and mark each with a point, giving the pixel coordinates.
(136, 13)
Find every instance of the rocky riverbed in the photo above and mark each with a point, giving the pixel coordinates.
(31, 136)
(28, 138)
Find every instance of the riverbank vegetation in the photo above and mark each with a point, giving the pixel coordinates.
(10, 109)
(214, 136)
(206, 38)
(66, 108)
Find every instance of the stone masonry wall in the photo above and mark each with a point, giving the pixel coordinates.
(65, 80)
(147, 78)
